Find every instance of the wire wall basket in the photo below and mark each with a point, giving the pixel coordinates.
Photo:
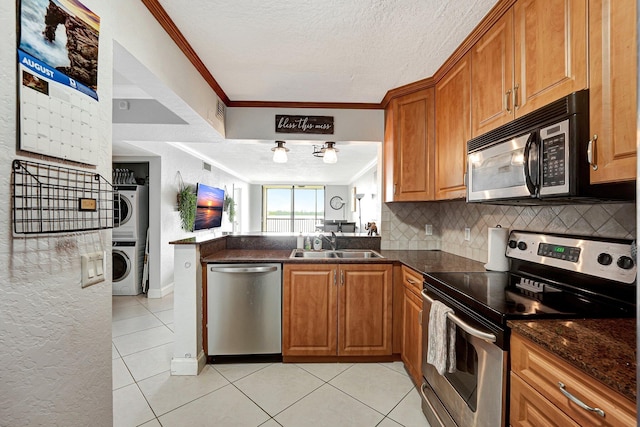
(55, 199)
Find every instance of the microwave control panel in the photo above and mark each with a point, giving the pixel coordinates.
(555, 158)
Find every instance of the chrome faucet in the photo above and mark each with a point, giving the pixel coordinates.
(332, 241)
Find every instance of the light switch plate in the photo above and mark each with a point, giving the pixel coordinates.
(467, 233)
(92, 268)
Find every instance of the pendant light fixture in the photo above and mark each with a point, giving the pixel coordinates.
(330, 153)
(280, 152)
(327, 152)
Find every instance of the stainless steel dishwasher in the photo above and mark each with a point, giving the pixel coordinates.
(244, 309)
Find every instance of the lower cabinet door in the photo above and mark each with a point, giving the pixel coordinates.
(364, 310)
(309, 310)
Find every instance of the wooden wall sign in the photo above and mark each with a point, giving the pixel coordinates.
(304, 124)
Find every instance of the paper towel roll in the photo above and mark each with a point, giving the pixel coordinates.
(497, 246)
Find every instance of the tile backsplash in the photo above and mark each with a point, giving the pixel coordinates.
(403, 224)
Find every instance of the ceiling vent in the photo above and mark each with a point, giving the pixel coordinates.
(206, 166)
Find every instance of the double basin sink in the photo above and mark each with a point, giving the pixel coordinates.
(341, 253)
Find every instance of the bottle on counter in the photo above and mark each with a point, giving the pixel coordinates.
(300, 241)
(317, 243)
(307, 243)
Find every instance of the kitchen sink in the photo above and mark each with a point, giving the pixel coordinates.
(343, 253)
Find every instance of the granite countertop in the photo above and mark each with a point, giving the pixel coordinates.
(605, 349)
(422, 261)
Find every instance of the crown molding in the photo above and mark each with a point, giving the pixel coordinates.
(176, 35)
(289, 104)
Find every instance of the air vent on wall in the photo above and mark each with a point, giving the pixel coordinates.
(206, 166)
(220, 110)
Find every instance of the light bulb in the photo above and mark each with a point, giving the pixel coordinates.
(330, 155)
(280, 155)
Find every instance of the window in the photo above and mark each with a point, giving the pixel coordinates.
(292, 208)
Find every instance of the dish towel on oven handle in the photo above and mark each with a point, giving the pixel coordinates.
(441, 350)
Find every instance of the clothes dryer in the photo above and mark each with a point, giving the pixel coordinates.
(127, 268)
(130, 213)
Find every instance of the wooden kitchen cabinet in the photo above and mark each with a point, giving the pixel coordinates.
(536, 398)
(337, 310)
(612, 89)
(535, 54)
(412, 145)
(412, 324)
(453, 130)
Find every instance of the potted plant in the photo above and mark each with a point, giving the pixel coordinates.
(229, 207)
(187, 207)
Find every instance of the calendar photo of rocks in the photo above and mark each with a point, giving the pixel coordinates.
(63, 34)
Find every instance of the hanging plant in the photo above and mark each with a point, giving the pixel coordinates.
(186, 206)
(229, 207)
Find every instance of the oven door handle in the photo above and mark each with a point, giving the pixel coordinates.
(487, 336)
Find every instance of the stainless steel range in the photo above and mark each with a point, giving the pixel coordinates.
(551, 276)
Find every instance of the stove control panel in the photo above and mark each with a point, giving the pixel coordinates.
(606, 258)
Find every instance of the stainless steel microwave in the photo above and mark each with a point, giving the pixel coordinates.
(542, 156)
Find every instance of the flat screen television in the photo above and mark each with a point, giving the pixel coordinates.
(209, 205)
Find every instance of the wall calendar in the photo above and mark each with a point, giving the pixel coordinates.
(57, 80)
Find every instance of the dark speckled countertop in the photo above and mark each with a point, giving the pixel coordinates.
(602, 348)
(422, 261)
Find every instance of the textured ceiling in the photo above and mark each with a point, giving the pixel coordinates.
(323, 50)
(299, 51)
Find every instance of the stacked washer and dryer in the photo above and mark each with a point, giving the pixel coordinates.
(131, 220)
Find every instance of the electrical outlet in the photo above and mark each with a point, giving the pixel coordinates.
(467, 233)
(428, 230)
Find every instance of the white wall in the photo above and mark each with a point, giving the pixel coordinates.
(140, 34)
(55, 337)
(370, 185)
(164, 185)
(349, 125)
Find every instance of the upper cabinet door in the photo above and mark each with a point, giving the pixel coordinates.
(612, 95)
(453, 130)
(492, 77)
(413, 137)
(550, 51)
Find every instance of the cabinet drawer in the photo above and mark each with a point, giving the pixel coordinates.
(544, 371)
(530, 408)
(411, 279)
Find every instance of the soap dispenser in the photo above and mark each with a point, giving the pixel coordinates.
(307, 243)
(317, 243)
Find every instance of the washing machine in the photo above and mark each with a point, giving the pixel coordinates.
(127, 268)
(131, 213)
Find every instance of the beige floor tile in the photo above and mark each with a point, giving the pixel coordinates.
(374, 385)
(409, 411)
(143, 340)
(396, 366)
(128, 311)
(271, 423)
(226, 407)
(153, 423)
(235, 371)
(325, 371)
(328, 406)
(158, 304)
(135, 324)
(389, 423)
(165, 392)
(114, 352)
(165, 316)
(130, 408)
(148, 363)
(276, 387)
(120, 374)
